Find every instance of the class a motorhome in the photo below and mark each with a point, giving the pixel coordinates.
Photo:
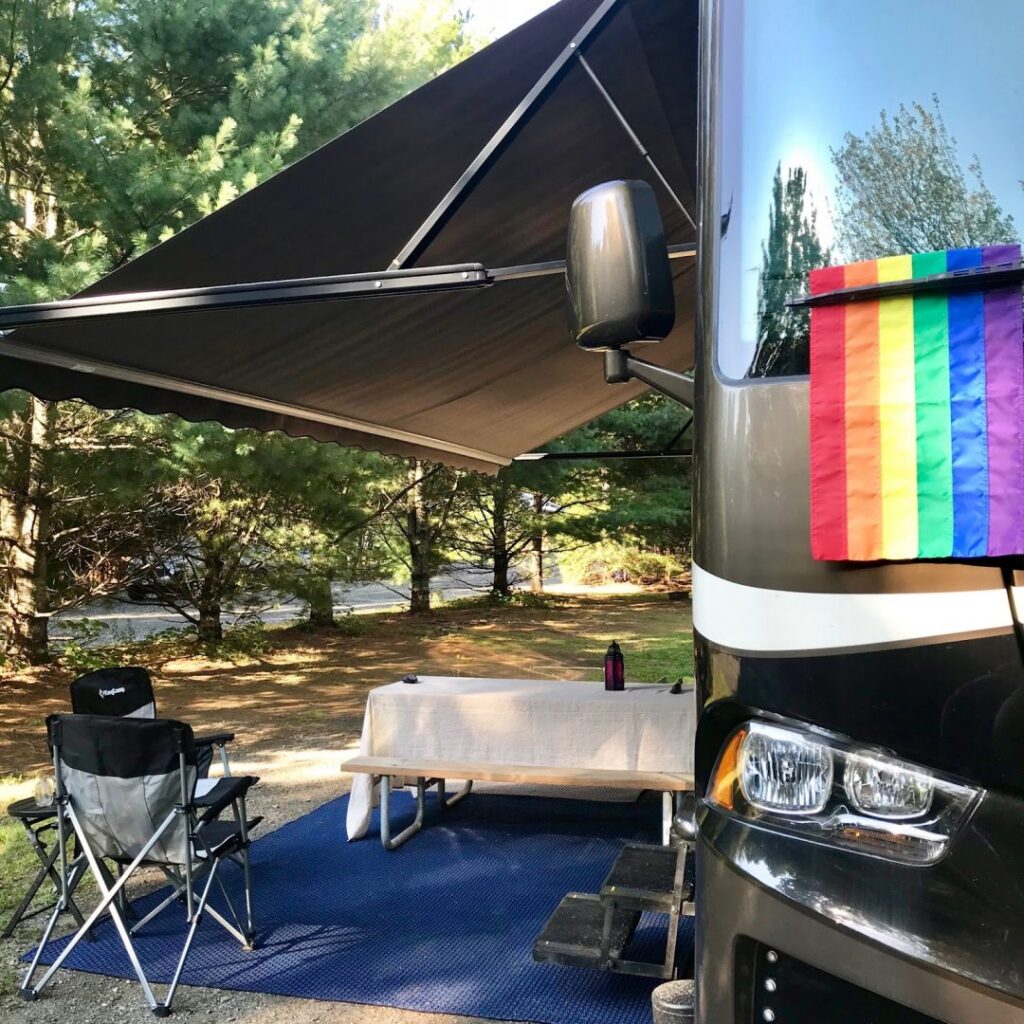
(860, 748)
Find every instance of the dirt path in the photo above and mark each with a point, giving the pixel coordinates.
(298, 711)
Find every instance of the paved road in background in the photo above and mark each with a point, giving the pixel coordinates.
(125, 618)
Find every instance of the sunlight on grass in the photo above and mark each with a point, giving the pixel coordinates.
(656, 638)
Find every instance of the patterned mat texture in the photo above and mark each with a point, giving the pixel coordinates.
(445, 924)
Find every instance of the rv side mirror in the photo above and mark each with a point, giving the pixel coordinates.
(617, 270)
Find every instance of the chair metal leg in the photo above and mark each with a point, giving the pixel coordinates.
(45, 871)
(387, 841)
(196, 917)
(47, 860)
(243, 825)
(108, 903)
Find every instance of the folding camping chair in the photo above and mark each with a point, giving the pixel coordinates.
(128, 693)
(122, 692)
(127, 787)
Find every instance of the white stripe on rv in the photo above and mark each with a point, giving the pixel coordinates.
(746, 618)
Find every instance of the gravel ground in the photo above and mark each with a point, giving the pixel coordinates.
(289, 788)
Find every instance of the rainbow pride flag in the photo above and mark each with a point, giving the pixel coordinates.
(917, 414)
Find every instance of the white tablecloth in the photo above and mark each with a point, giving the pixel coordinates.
(523, 722)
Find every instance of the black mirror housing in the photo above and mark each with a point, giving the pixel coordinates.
(617, 275)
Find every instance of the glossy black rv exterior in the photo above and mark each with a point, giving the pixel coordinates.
(920, 659)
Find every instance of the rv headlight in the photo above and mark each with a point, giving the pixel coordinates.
(819, 788)
(887, 789)
(784, 771)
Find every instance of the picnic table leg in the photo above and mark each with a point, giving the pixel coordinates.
(461, 795)
(667, 808)
(387, 841)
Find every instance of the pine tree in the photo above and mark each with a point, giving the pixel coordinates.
(122, 122)
(791, 250)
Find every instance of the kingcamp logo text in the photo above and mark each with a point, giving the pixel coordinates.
(112, 693)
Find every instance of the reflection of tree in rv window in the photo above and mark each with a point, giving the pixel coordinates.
(901, 188)
(791, 251)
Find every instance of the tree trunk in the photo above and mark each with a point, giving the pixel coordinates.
(537, 552)
(321, 603)
(25, 517)
(211, 629)
(211, 594)
(500, 555)
(418, 533)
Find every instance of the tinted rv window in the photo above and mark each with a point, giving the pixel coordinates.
(855, 131)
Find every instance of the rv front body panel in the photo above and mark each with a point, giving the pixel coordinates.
(831, 134)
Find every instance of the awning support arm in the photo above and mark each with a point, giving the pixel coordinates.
(442, 213)
(634, 138)
(240, 296)
(389, 283)
(600, 456)
(668, 452)
(685, 250)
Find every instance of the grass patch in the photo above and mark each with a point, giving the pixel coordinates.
(655, 636)
(517, 599)
(17, 866)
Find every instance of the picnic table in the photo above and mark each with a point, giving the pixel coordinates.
(550, 732)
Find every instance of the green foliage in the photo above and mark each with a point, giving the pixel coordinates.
(791, 251)
(902, 189)
(124, 121)
(247, 639)
(18, 865)
(656, 640)
(343, 625)
(610, 562)
(649, 568)
(645, 503)
(82, 650)
(92, 648)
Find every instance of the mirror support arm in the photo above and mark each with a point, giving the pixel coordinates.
(621, 367)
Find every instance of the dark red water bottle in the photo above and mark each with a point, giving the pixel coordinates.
(614, 668)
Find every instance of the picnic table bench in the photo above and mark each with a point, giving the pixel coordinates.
(430, 772)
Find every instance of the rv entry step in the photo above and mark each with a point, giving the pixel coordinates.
(574, 933)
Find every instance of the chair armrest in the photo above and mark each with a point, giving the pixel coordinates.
(214, 739)
(225, 792)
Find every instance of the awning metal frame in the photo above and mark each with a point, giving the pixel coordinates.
(399, 279)
(390, 283)
(668, 452)
(499, 141)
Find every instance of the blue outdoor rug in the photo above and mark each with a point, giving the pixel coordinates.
(445, 924)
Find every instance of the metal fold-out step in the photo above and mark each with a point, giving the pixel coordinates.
(594, 929)
(645, 877)
(573, 935)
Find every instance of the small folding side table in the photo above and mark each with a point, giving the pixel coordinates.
(40, 824)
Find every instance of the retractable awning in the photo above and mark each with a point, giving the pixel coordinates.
(437, 328)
